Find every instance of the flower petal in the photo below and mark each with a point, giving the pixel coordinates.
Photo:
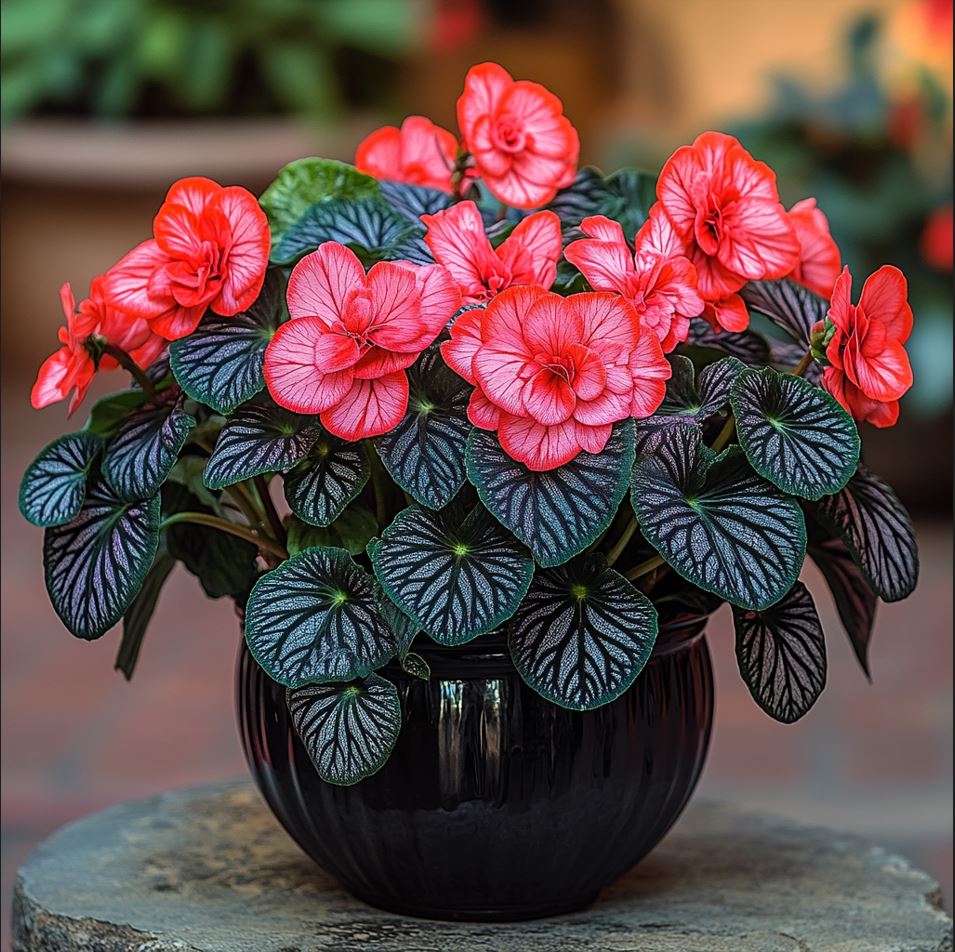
(249, 251)
(465, 340)
(549, 399)
(457, 240)
(484, 87)
(650, 371)
(377, 362)
(538, 447)
(759, 240)
(552, 325)
(609, 323)
(532, 250)
(193, 193)
(321, 281)
(884, 299)
(370, 408)
(127, 283)
(482, 413)
(604, 258)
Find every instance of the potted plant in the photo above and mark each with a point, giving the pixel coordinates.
(521, 461)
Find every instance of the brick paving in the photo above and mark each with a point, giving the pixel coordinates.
(876, 759)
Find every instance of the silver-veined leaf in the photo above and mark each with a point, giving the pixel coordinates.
(413, 201)
(791, 307)
(332, 474)
(747, 346)
(54, 485)
(582, 634)
(699, 398)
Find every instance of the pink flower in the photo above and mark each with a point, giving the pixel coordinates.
(524, 147)
(344, 353)
(553, 374)
(419, 153)
(657, 279)
(819, 259)
(210, 250)
(528, 255)
(724, 205)
(868, 368)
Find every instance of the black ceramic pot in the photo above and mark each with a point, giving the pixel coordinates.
(495, 804)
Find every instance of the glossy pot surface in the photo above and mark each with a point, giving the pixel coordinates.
(495, 804)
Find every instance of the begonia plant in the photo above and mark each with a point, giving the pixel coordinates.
(491, 393)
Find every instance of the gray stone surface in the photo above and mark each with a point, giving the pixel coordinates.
(209, 870)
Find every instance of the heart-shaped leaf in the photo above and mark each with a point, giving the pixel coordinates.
(413, 201)
(95, 565)
(307, 182)
(556, 513)
(315, 619)
(875, 527)
(720, 525)
(370, 225)
(138, 458)
(332, 474)
(457, 577)
(791, 307)
(260, 438)
(854, 598)
(136, 618)
(425, 452)
(794, 433)
(349, 730)
(54, 486)
(221, 362)
(748, 346)
(781, 653)
(582, 634)
(700, 398)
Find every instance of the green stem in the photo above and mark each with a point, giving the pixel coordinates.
(729, 428)
(275, 523)
(803, 364)
(127, 363)
(645, 568)
(223, 525)
(621, 543)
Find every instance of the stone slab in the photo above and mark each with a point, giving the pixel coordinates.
(208, 869)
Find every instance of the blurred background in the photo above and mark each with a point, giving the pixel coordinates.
(105, 102)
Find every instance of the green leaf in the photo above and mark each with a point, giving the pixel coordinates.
(307, 182)
(260, 438)
(781, 653)
(332, 474)
(794, 433)
(95, 565)
(413, 201)
(425, 452)
(302, 536)
(188, 472)
(457, 577)
(221, 362)
(700, 398)
(405, 629)
(582, 634)
(137, 616)
(369, 225)
(355, 528)
(878, 532)
(138, 458)
(54, 485)
(625, 197)
(791, 307)
(557, 513)
(109, 413)
(349, 730)
(716, 522)
(315, 619)
(416, 666)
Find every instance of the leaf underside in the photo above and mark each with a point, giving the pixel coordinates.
(137, 617)
(332, 474)
(747, 346)
(791, 307)
(54, 485)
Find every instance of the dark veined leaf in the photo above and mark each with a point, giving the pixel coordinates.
(138, 458)
(416, 666)
(307, 182)
(855, 601)
(794, 433)
(748, 346)
(557, 513)
(585, 196)
(332, 474)
(405, 629)
(259, 438)
(349, 730)
(137, 617)
(582, 634)
(874, 525)
(716, 522)
(370, 225)
(413, 201)
(634, 191)
(108, 414)
(315, 619)
(781, 653)
(353, 530)
(221, 362)
(786, 354)
(700, 398)
(95, 565)
(425, 452)
(457, 577)
(54, 485)
(791, 307)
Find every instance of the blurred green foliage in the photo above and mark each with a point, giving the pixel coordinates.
(169, 58)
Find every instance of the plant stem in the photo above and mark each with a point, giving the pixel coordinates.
(621, 543)
(275, 523)
(729, 428)
(233, 528)
(127, 363)
(645, 568)
(800, 368)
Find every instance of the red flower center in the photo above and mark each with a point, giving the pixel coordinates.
(563, 368)
(709, 225)
(508, 134)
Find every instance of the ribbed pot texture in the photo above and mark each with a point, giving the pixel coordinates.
(495, 804)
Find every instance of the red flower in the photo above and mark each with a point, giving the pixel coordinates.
(658, 280)
(528, 255)
(724, 205)
(420, 153)
(935, 245)
(819, 258)
(524, 148)
(211, 249)
(553, 374)
(868, 367)
(352, 335)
